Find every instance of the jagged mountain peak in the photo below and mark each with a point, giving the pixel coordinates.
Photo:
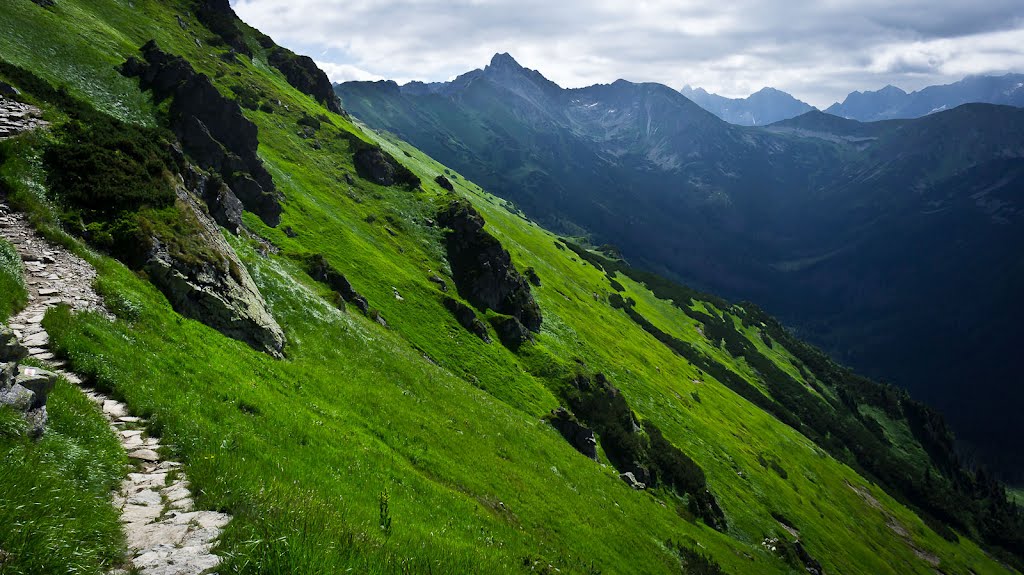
(504, 60)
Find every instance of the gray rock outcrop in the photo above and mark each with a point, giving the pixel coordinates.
(318, 269)
(217, 291)
(512, 333)
(16, 117)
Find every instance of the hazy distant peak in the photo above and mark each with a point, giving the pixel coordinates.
(765, 106)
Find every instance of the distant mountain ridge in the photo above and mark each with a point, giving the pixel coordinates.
(770, 105)
(761, 108)
(891, 103)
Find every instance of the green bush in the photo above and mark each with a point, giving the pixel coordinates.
(105, 167)
(13, 295)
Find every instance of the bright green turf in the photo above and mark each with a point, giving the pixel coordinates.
(55, 511)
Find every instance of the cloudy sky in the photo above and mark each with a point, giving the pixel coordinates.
(819, 52)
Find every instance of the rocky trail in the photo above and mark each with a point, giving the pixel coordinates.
(165, 534)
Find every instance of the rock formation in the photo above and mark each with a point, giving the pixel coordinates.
(304, 75)
(484, 274)
(378, 166)
(217, 291)
(211, 128)
(444, 183)
(578, 435)
(16, 117)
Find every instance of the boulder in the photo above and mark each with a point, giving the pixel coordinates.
(18, 397)
(444, 183)
(579, 436)
(11, 349)
(374, 164)
(631, 480)
(466, 318)
(39, 381)
(511, 332)
(531, 275)
(217, 291)
(483, 270)
(371, 164)
(211, 127)
(25, 389)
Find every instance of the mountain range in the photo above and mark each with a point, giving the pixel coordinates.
(855, 234)
(769, 105)
(891, 103)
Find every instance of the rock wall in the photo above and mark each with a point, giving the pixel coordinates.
(484, 274)
(212, 129)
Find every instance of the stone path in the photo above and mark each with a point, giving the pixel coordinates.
(165, 534)
(16, 118)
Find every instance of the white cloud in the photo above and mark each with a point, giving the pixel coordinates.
(819, 52)
(346, 72)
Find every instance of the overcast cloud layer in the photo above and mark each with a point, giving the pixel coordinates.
(818, 53)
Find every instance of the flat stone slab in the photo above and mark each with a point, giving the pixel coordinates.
(114, 408)
(145, 455)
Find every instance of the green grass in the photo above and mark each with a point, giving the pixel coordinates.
(13, 296)
(300, 451)
(55, 511)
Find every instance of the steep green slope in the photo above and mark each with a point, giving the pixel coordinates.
(845, 231)
(418, 447)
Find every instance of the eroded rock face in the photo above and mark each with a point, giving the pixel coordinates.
(483, 270)
(219, 293)
(211, 127)
(467, 318)
(222, 203)
(303, 74)
(578, 435)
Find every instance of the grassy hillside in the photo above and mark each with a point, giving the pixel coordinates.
(417, 447)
